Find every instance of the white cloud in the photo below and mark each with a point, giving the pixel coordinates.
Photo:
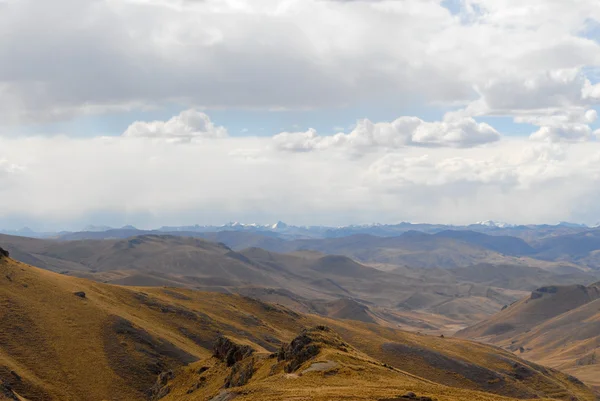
(121, 54)
(542, 90)
(188, 125)
(554, 117)
(404, 131)
(149, 183)
(557, 101)
(8, 167)
(530, 61)
(9, 174)
(563, 132)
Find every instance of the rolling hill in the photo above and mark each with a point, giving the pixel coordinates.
(66, 338)
(562, 248)
(444, 249)
(556, 325)
(442, 300)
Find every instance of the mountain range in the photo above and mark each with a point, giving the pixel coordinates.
(534, 296)
(283, 230)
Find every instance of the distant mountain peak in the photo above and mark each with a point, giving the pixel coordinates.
(280, 225)
(128, 227)
(93, 228)
(574, 225)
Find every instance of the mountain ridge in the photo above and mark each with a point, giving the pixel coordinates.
(160, 342)
(556, 325)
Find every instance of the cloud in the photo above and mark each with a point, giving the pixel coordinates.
(554, 117)
(404, 131)
(8, 167)
(541, 90)
(395, 171)
(530, 61)
(534, 94)
(124, 55)
(9, 174)
(145, 182)
(557, 101)
(188, 125)
(563, 132)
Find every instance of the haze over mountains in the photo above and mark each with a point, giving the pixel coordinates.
(283, 230)
(566, 245)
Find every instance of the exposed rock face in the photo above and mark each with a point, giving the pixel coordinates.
(161, 388)
(79, 294)
(307, 346)
(7, 393)
(3, 253)
(230, 352)
(240, 374)
(300, 350)
(238, 357)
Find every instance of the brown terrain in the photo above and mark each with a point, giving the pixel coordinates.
(67, 338)
(431, 300)
(557, 326)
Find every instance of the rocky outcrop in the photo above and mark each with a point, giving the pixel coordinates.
(7, 393)
(229, 352)
(240, 374)
(238, 357)
(161, 388)
(3, 253)
(408, 396)
(308, 345)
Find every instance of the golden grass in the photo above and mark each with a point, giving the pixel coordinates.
(112, 344)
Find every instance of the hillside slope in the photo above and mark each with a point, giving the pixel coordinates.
(65, 338)
(556, 325)
(308, 279)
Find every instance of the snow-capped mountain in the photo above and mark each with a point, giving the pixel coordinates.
(492, 223)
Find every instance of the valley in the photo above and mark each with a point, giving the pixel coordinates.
(73, 339)
(157, 303)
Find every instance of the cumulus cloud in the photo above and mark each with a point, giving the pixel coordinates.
(530, 61)
(188, 125)
(591, 92)
(563, 132)
(540, 90)
(404, 131)
(123, 55)
(557, 101)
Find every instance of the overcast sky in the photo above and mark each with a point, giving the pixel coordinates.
(173, 112)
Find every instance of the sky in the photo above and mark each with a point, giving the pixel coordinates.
(313, 112)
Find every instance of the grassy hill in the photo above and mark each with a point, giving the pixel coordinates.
(66, 338)
(556, 325)
(431, 300)
(304, 280)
